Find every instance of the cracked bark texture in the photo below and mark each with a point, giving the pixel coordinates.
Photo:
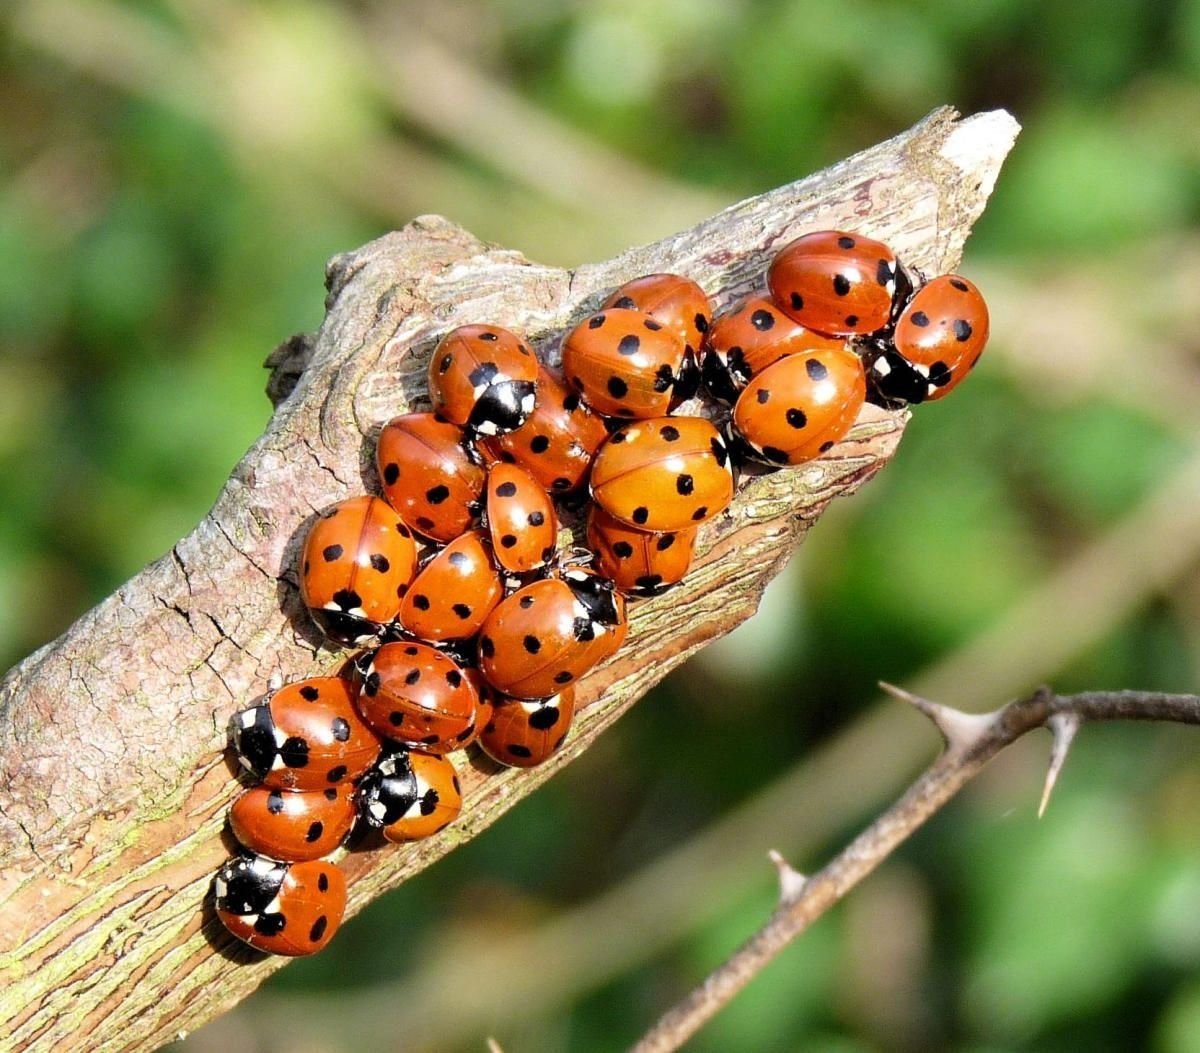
(113, 780)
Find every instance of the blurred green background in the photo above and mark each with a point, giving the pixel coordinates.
(173, 176)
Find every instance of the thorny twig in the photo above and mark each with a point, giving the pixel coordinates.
(972, 739)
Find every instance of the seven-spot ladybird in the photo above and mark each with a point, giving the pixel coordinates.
(429, 474)
(744, 342)
(453, 592)
(556, 445)
(357, 561)
(799, 407)
(520, 518)
(938, 338)
(625, 363)
(523, 733)
(484, 379)
(416, 694)
(681, 305)
(550, 633)
(639, 563)
(410, 795)
(293, 825)
(837, 283)
(290, 909)
(667, 473)
(307, 735)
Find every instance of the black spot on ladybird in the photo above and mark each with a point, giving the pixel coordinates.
(487, 647)
(544, 718)
(884, 273)
(939, 374)
(490, 337)
(309, 693)
(412, 677)
(437, 494)
(462, 610)
(323, 882)
(852, 320)
(536, 519)
(446, 362)
(425, 523)
(684, 484)
(508, 489)
(391, 473)
(270, 924)
(641, 514)
(275, 802)
(816, 369)
(318, 928)
(532, 644)
(796, 417)
(571, 403)
(920, 318)
(652, 325)
(959, 284)
(617, 438)
(622, 549)
(564, 677)
(458, 559)
(669, 433)
(701, 323)
(841, 284)
(421, 601)
(332, 552)
(596, 321)
(525, 602)
(762, 320)
(763, 396)
(665, 542)
(845, 242)
(315, 830)
(827, 446)
(539, 444)
(454, 678)
(294, 752)
(626, 303)
(617, 388)
(700, 513)
(508, 540)
(518, 750)
(962, 330)
(341, 729)
(629, 345)
(797, 302)
(336, 774)
(380, 563)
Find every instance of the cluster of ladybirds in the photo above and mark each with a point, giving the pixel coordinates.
(477, 624)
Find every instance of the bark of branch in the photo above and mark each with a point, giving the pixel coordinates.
(972, 739)
(113, 784)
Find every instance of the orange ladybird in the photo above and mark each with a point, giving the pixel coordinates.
(556, 445)
(415, 694)
(484, 379)
(291, 909)
(799, 407)
(744, 342)
(357, 561)
(429, 474)
(520, 519)
(937, 341)
(454, 592)
(523, 733)
(639, 563)
(293, 825)
(835, 282)
(307, 735)
(625, 363)
(550, 633)
(664, 474)
(410, 795)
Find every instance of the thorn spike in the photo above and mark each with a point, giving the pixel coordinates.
(791, 881)
(1063, 726)
(959, 730)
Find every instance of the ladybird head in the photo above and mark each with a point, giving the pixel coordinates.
(248, 884)
(503, 407)
(388, 790)
(252, 734)
(597, 596)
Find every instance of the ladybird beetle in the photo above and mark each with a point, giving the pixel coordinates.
(523, 734)
(483, 378)
(639, 563)
(556, 445)
(744, 342)
(429, 474)
(415, 694)
(520, 519)
(550, 633)
(938, 338)
(625, 363)
(357, 561)
(454, 592)
(290, 909)
(837, 283)
(799, 407)
(305, 736)
(293, 825)
(410, 795)
(680, 304)
(667, 473)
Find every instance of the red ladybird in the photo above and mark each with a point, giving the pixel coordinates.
(639, 563)
(484, 379)
(626, 364)
(520, 519)
(357, 561)
(429, 474)
(410, 795)
(305, 736)
(937, 340)
(837, 283)
(524, 733)
(799, 407)
(668, 473)
(415, 694)
(293, 825)
(290, 909)
(744, 342)
(550, 633)
(454, 592)
(556, 445)
(678, 302)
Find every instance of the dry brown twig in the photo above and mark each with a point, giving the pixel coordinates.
(971, 740)
(113, 788)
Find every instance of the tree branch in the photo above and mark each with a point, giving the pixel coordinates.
(972, 739)
(113, 787)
